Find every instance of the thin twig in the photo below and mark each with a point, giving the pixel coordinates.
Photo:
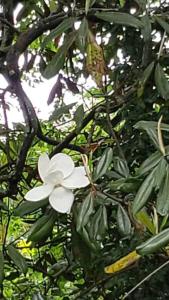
(161, 45)
(6, 22)
(145, 279)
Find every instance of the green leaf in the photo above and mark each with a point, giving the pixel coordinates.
(80, 250)
(163, 195)
(91, 243)
(17, 258)
(151, 124)
(142, 4)
(128, 185)
(98, 224)
(120, 165)
(162, 23)
(82, 34)
(78, 117)
(122, 2)
(154, 243)
(61, 28)
(161, 82)
(29, 207)
(88, 4)
(85, 212)
(63, 110)
(103, 163)
(160, 173)
(42, 228)
(147, 28)
(142, 82)
(120, 18)
(58, 59)
(1, 267)
(103, 199)
(143, 217)
(123, 221)
(150, 130)
(144, 192)
(149, 163)
(147, 72)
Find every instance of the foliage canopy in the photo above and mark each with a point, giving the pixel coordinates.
(111, 58)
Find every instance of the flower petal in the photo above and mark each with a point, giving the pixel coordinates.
(77, 179)
(43, 165)
(61, 162)
(39, 193)
(61, 199)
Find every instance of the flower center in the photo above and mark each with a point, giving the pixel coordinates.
(54, 178)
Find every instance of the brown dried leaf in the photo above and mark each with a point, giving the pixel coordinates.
(56, 90)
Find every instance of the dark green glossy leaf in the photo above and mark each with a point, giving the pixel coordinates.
(61, 28)
(28, 207)
(123, 221)
(17, 258)
(147, 28)
(98, 224)
(144, 78)
(103, 199)
(88, 4)
(85, 212)
(78, 116)
(103, 163)
(86, 237)
(163, 195)
(42, 228)
(163, 24)
(128, 185)
(58, 59)
(82, 34)
(150, 130)
(151, 124)
(120, 18)
(144, 192)
(155, 243)
(162, 82)
(149, 163)
(160, 173)
(80, 249)
(120, 165)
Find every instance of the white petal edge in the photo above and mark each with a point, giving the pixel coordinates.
(43, 165)
(39, 193)
(77, 179)
(62, 162)
(61, 199)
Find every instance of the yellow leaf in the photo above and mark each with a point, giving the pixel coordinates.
(2, 233)
(143, 217)
(122, 263)
(95, 63)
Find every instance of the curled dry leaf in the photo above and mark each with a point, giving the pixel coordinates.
(56, 90)
(95, 63)
(72, 86)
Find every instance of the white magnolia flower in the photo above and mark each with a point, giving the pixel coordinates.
(60, 177)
